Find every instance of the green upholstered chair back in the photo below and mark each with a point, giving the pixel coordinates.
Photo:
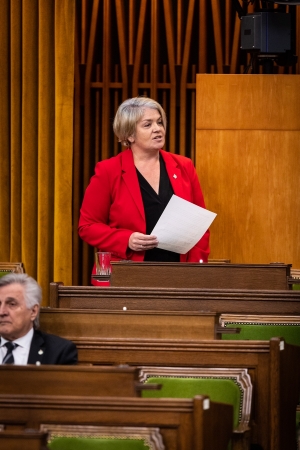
(71, 437)
(4, 272)
(8, 267)
(232, 386)
(295, 274)
(262, 327)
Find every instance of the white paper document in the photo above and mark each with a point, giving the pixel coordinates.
(181, 225)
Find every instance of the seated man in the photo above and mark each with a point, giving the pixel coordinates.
(21, 343)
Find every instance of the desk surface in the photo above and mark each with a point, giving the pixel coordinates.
(206, 276)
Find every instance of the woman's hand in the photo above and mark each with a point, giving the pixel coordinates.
(140, 242)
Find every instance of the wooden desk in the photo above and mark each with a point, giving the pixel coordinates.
(205, 276)
(286, 302)
(197, 424)
(274, 367)
(90, 381)
(73, 323)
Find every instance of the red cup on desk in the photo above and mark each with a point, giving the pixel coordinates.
(103, 263)
(103, 269)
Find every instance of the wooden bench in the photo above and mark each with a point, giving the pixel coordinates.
(197, 424)
(205, 276)
(235, 301)
(274, 367)
(50, 380)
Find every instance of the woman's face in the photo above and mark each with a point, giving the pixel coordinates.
(149, 133)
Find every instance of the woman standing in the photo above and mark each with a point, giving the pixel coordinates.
(129, 192)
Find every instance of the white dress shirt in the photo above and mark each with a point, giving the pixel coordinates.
(21, 352)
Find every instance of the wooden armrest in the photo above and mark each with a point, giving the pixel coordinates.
(293, 280)
(148, 386)
(223, 330)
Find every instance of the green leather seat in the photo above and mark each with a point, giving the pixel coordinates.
(81, 443)
(219, 390)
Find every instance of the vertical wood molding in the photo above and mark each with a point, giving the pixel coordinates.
(64, 107)
(5, 200)
(184, 77)
(46, 141)
(15, 128)
(29, 133)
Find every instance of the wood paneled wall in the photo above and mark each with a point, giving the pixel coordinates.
(248, 134)
(126, 48)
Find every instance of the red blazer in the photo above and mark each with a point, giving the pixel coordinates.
(112, 208)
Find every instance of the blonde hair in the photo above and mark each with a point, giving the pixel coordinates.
(130, 112)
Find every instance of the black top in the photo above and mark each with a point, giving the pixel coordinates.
(154, 204)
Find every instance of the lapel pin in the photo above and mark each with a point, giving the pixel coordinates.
(40, 352)
(174, 176)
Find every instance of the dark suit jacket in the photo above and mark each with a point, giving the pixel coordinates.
(50, 349)
(113, 208)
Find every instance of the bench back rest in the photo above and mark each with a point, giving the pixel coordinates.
(9, 267)
(226, 385)
(70, 437)
(262, 327)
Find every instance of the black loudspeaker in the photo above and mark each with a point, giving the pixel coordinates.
(266, 32)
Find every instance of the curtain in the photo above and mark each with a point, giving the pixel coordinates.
(36, 137)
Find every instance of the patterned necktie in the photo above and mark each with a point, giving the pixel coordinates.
(9, 357)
